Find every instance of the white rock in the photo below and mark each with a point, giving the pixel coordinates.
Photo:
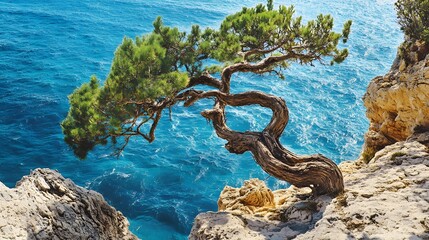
(35, 210)
(382, 200)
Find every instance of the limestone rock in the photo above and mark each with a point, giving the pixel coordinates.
(397, 105)
(254, 196)
(225, 225)
(255, 212)
(45, 205)
(388, 198)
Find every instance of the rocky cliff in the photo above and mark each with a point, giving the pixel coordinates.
(386, 199)
(44, 205)
(386, 191)
(398, 103)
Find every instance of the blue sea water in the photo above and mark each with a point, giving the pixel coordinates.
(48, 48)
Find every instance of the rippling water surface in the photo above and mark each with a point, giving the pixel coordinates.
(48, 48)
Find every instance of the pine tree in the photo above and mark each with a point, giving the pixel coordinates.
(158, 70)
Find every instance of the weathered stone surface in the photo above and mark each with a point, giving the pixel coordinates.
(388, 198)
(253, 197)
(44, 205)
(397, 105)
(255, 212)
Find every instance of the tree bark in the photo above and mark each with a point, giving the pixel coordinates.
(315, 171)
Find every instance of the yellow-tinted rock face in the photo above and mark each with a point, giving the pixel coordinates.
(397, 105)
(250, 198)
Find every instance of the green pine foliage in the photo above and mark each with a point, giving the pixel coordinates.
(262, 28)
(84, 126)
(413, 16)
(148, 72)
(141, 72)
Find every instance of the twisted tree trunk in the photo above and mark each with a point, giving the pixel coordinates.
(314, 171)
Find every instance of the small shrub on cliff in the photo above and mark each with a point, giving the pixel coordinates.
(413, 16)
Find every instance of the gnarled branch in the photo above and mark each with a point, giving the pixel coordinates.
(205, 79)
(262, 66)
(315, 171)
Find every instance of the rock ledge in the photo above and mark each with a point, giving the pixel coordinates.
(45, 205)
(388, 198)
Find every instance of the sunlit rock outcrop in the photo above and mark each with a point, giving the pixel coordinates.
(386, 199)
(45, 205)
(253, 197)
(255, 212)
(397, 103)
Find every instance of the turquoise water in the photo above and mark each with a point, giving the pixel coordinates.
(48, 48)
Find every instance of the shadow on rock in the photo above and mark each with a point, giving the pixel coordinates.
(255, 212)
